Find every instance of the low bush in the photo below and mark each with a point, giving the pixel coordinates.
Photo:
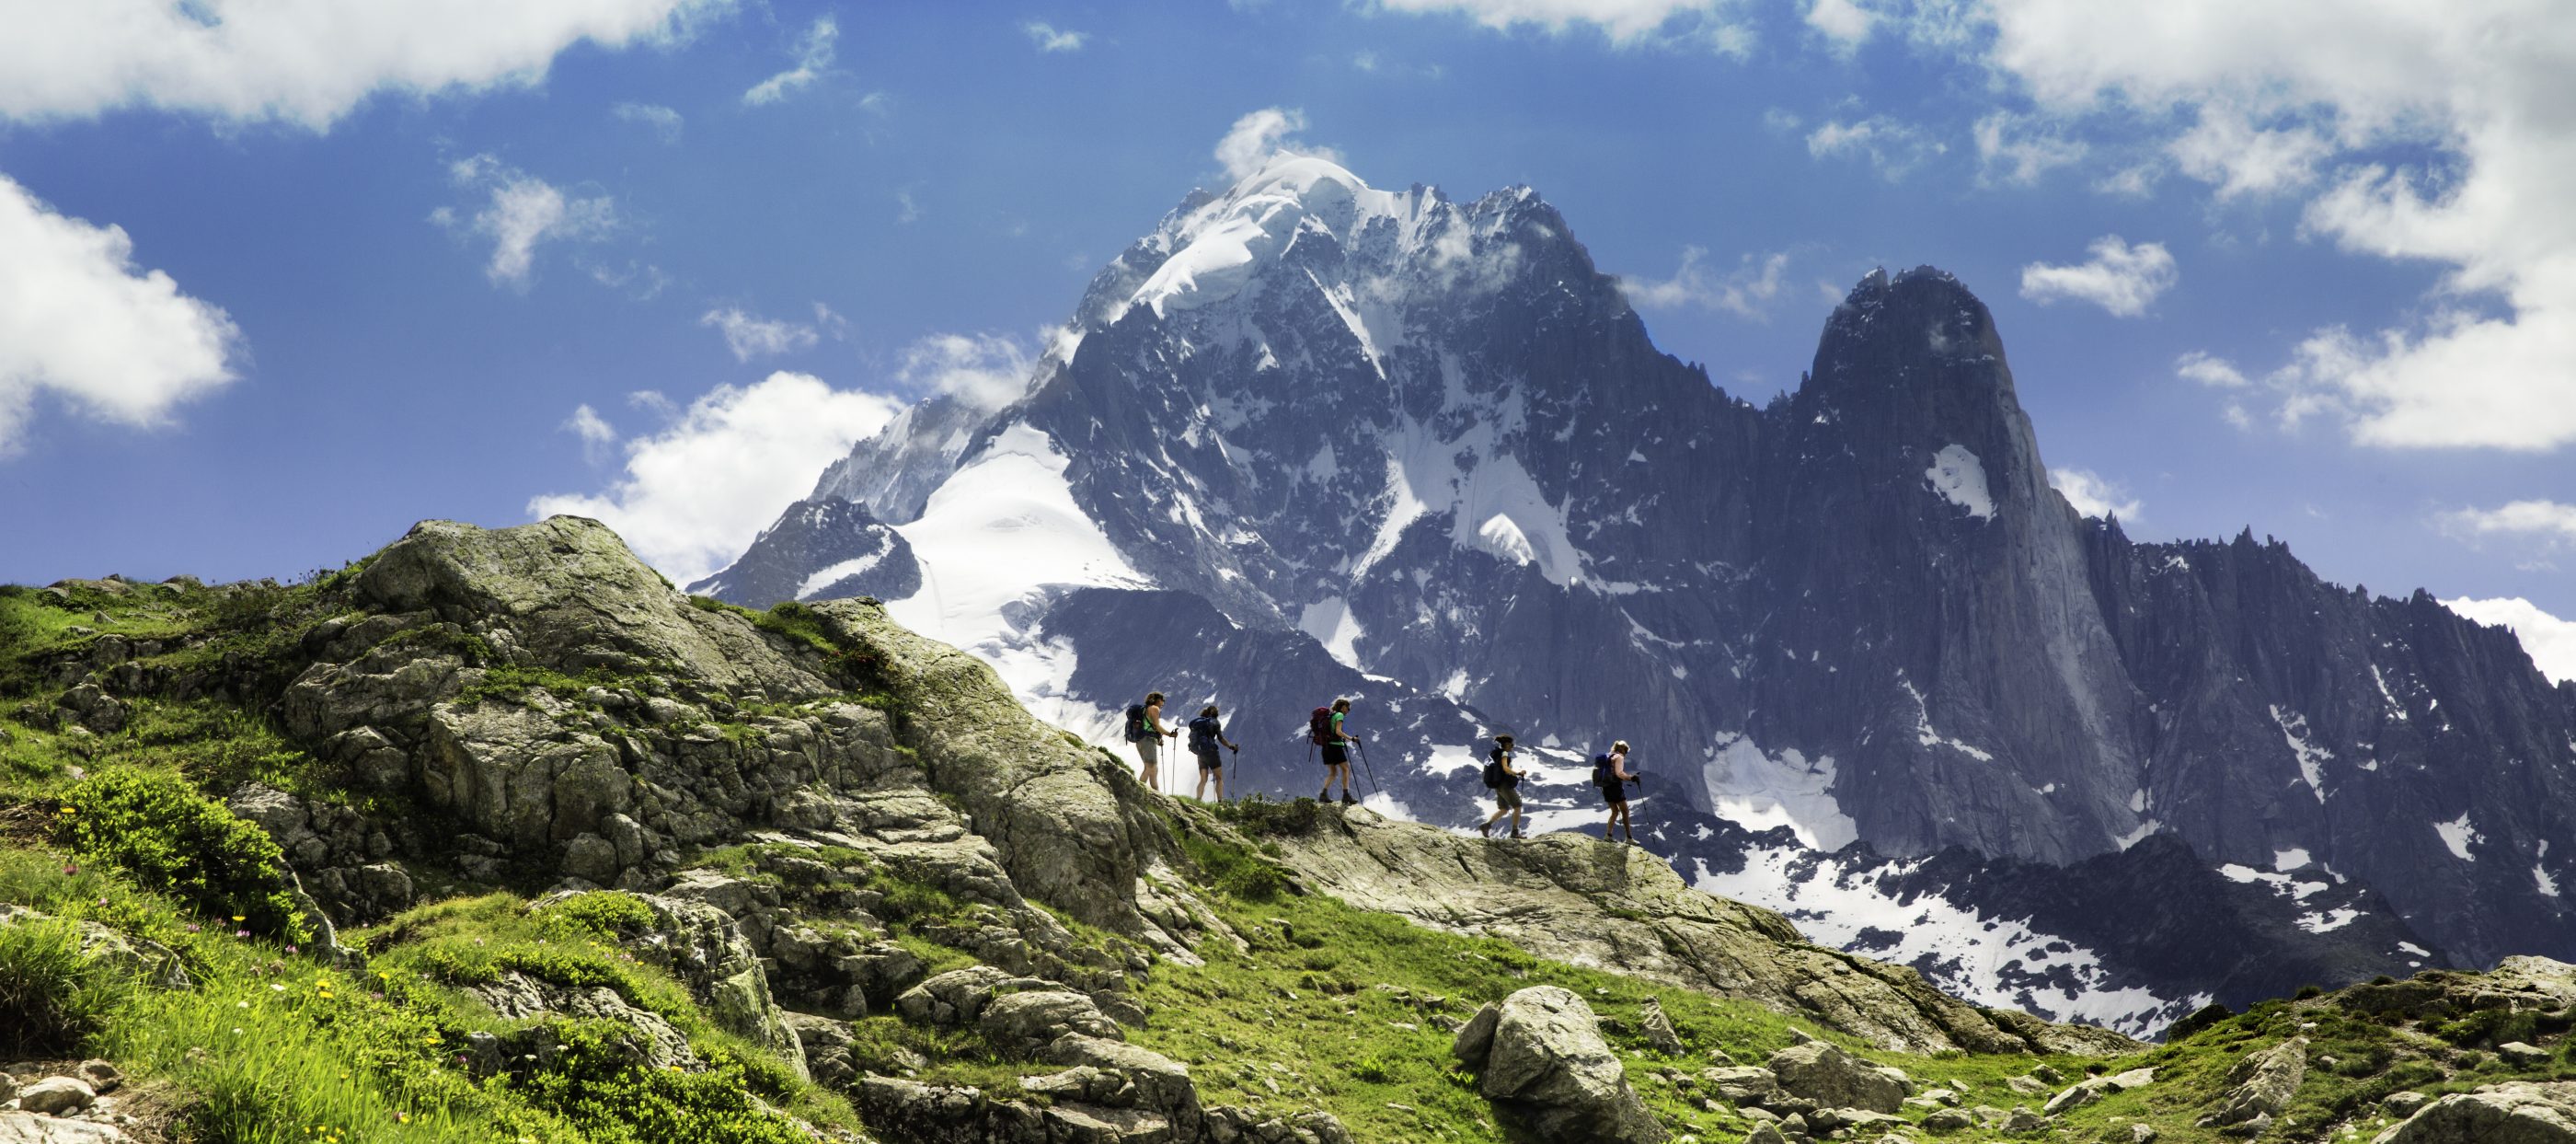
(168, 838)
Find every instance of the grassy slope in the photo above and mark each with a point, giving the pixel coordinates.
(1330, 1007)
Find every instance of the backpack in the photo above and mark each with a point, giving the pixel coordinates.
(1319, 727)
(1203, 736)
(1494, 776)
(1602, 775)
(1135, 722)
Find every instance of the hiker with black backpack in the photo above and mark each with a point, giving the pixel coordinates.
(1505, 781)
(1324, 729)
(1610, 773)
(1145, 729)
(1206, 735)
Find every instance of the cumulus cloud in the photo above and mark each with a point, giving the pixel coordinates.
(750, 336)
(986, 371)
(1742, 291)
(522, 212)
(2092, 495)
(1624, 22)
(303, 61)
(2215, 372)
(595, 432)
(1894, 148)
(1842, 22)
(2550, 641)
(1254, 139)
(664, 121)
(79, 320)
(1050, 38)
(814, 54)
(694, 493)
(2434, 133)
(2542, 519)
(2120, 278)
(2020, 148)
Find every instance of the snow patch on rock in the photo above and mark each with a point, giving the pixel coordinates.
(1960, 478)
(1758, 791)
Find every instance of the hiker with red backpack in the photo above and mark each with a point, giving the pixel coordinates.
(1505, 781)
(1145, 729)
(1324, 729)
(1610, 773)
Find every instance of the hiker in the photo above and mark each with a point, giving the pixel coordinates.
(1610, 773)
(1505, 780)
(1206, 734)
(1325, 730)
(1145, 729)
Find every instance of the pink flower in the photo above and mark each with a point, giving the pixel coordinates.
(241, 933)
(192, 927)
(290, 949)
(69, 868)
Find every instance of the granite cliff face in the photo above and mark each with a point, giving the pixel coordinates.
(1309, 438)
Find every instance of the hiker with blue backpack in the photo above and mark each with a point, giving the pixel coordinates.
(1206, 735)
(1504, 780)
(1145, 729)
(1610, 773)
(1324, 729)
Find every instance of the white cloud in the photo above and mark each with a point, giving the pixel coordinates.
(2092, 495)
(1894, 148)
(2550, 641)
(664, 121)
(2121, 278)
(1624, 22)
(303, 61)
(2228, 151)
(2215, 372)
(1254, 139)
(80, 320)
(523, 212)
(2019, 149)
(595, 432)
(2549, 520)
(1842, 22)
(2434, 133)
(1742, 291)
(750, 336)
(986, 371)
(908, 210)
(1050, 38)
(695, 493)
(813, 58)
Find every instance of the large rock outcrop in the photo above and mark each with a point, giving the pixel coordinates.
(2516, 1113)
(1579, 900)
(1541, 1055)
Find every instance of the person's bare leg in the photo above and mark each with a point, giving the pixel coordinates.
(1220, 786)
(1201, 795)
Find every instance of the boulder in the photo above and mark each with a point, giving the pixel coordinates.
(1822, 1072)
(2522, 1055)
(2518, 1112)
(1021, 1024)
(1948, 1120)
(1748, 1084)
(2263, 1083)
(1475, 1039)
(956, 997)
(57, 1096)
(1549, 1063)
(2091, 1089)
(31, 1128)
(702, 946)
(99, 1075)
(1659, 1029)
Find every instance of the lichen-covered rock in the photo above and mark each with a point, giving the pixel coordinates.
(2263, 1084)
(1549, 1064)
(1747, 1084)
(34, 1128)
(702, 946)
(1822, 1072)
(2519, 1112)
(655, 1042)
(57, 1096)
(1024, 1023)
(956, 997)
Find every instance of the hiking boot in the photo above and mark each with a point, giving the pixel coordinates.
(1347, 800)
(1516, 832)
(1606, 836)
(1485, 828)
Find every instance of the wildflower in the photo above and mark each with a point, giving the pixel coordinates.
(236, 1030)
(241, 1004)
(274, 987)
(237, 918)
(102, 901)
(290, 950)
(241, 933)
(192, 927)
(71, 868)
(402, 1117)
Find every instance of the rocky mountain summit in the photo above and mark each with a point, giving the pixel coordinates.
(497, 834)
(1309, 438)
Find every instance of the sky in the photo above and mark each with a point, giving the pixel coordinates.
(280, 277)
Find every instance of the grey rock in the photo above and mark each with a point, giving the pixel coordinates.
(2517, 1112)
(1746, 1084)
(101, 1076)
(956, 997)
(1765, 1133)
(2024, 1122)
(2263, 1084)
(2403, 1104)
(1659, 1029)
(57, 1096)
(1023, 1023)
(33, 1128)
(1822, 1072)
(1549, 1062)
(144, 960)
(1475, 1039)
(2524, 1055)
(1948, 1120)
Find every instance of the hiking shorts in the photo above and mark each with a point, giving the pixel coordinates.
(1507, 798)
(1208, 761)
(1614, 794)
(1149, 750)
(1336, 755)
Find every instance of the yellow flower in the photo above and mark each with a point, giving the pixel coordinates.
(238, 917)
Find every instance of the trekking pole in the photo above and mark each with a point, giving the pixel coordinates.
(1371, 768)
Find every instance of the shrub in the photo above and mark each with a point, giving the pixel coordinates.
(52, 998)
(171, 839)
(1235, 872)
(596, 1085)
(2311, 992)
(611, 913)
(2199, 1019)
(1261, 817)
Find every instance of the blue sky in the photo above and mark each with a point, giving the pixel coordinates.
(2304, 267)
